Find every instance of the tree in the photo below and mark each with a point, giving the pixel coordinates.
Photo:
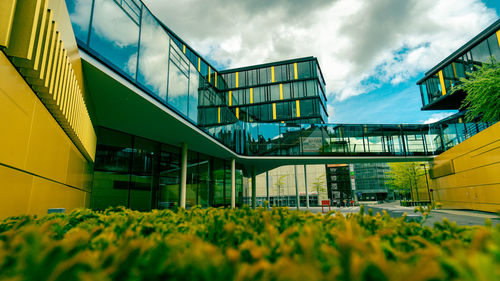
(280, 185)
(483, 93)
(403, 178)
(319, 184)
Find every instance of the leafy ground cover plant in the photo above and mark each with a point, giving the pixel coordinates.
(242, 244)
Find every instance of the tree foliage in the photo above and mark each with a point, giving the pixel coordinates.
(319, 183)
(404, 177)
(483, 93)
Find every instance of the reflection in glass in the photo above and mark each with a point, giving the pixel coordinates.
(79, 12)
(177, 83)
(153, 56)
(114, 36)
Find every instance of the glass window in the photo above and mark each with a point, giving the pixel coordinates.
(423, 92)
(153, 56)
(252, 77)
(494, 47)
(259, 94)
(287, 91)
(312, 88)
(307, 108)
(298, 90)
(242, 79)
(194, 92)
(264, 75)
(304, 70)
(283, 111)
(481, 53)
(177, 88)
(169, 171)
(280, 73)
(275, 92)
(79, 13)
(114, 35)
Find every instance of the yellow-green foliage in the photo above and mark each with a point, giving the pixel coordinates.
(242, 244)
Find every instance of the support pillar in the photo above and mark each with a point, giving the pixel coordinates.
(183, 174)
(297, 196)
(305, 182)
(267, 189)
(233, 183)
(254, 188)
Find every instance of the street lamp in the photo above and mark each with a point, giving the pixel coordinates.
(427, 182)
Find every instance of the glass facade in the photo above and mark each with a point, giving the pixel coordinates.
(440, 82)
(289, 91)
(142, 175)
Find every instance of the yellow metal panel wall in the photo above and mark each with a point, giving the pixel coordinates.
(30, 138)
(46, 55)
(7, 10)
(475, 181)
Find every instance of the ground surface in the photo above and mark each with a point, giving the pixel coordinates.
(461, 217)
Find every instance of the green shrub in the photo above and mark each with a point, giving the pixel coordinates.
(242, 244)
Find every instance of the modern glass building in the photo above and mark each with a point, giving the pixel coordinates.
(104, 105)
(436, 86)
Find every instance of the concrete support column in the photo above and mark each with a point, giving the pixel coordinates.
(184, 156)
(233, 183)
(297, 196)
(254, 188)
(305, 182)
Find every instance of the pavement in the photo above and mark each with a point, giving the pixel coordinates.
(461, 217)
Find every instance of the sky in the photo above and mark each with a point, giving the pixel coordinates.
(371, 52)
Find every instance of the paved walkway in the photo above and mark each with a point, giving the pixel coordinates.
(461, 217)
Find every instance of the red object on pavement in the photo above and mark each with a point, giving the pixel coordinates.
(325, 203)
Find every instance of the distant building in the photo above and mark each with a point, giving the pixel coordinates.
(371, 183)
(338, 182)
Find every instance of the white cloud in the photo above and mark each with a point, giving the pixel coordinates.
(361, 44)
(436, 117)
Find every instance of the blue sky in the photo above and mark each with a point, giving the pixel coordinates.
(371, 52)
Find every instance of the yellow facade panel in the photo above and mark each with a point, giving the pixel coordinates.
(237, 79)
(57, 72)
(184, 49)
(274, 111)
(199, 65)
(498, 37)
(297, 104)
(218, 114)
(281, 91)
(59, 93)
(42, 26)
(215, 79)
(15, 192)
(24, 28)
(272, 74)
(47, 49)
(7, 10)
(441, 81)
(238, 113)
(209, 74)
(52, 64)
(251, 95)
(295, 74)
(486, 155)
(230, 98)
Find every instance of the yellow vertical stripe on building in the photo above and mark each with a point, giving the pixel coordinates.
(209, 73)
(498, 37)
(274, 111)
(24, 28)
(54, 54)
(184, 49)
(56, 71)
(454, 70)
(215, 77)
(237, 79)
(297, 104)
(295, 74)
(281, 91)
(218, 115)
(58, 91)
(272, 74)
(44, 23)
(230, 98)
(199, 65)
(64, 77)
(49, 45)
(238, 113)
(251, 95)
(441, 81)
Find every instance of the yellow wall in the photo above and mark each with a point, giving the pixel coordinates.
(468, 175)
(40, 167)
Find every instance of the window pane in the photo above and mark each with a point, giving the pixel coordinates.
(304, 70)
(494, 47)
(114, 36)
(194, 92)
(153, 56)
(275, 92)
(177, 86)
(481, 53)
(79, 13)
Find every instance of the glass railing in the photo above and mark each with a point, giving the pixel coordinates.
(277, 139)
